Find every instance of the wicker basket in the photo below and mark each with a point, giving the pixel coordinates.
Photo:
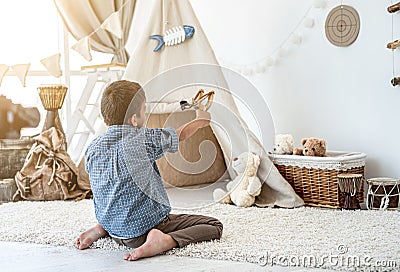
(12, 155)
(315, 180)
(7, 190)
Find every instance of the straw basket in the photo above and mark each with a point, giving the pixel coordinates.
(52, 96)
(315, 179)
(12, 155)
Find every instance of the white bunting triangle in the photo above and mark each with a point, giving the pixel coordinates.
(21, 70)
(113, 25)
(3, 71)
(83, 48)
(52, 65)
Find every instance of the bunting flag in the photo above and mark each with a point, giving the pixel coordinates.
(3, 71)
(21, 70)
(113, 25)
(83, 48)
(52, 65)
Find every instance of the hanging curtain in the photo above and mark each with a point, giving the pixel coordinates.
(82, 17)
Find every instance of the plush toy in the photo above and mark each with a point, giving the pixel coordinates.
(246, 186)
(283, 144)
(312, 147)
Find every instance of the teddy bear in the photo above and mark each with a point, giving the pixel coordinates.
(283, 144)
(243, 190)
(312, 147)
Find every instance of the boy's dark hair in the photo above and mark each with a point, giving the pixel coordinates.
(121, 99)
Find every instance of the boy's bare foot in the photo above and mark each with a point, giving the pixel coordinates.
(156, 242)
(88, 237)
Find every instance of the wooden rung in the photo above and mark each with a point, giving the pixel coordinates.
(394, 8)
(106, 66)
(393, 45)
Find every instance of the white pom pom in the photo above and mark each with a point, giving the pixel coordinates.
(296, 39)
(269, 62)
(282, 52)
(248, 71)
(257, 68)
(245, 71)
(309, 22)
(319, 4)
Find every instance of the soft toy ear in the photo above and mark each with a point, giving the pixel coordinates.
(323, 144)
(303, 141)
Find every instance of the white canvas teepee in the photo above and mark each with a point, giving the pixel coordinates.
(167, 79)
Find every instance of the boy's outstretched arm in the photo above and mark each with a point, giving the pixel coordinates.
(202, 120)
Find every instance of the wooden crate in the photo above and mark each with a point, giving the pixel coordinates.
(7, 190)
(12, 155)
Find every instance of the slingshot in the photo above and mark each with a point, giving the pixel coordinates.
(197, 101)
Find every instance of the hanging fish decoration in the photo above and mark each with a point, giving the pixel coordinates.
(173, 36)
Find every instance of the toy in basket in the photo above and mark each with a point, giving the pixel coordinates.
(315, 179)
(383, 194)
(52, 97)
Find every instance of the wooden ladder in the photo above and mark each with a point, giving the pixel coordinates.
(86, 122)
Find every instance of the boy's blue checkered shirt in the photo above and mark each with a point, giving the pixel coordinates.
(128, 191)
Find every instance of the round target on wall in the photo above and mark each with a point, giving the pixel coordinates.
(342, 25)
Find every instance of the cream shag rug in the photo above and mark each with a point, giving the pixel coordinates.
(304, 236)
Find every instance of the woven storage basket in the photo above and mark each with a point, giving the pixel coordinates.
(315, 178)
(12, 155)
(7, 190)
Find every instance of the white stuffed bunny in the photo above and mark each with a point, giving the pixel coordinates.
(243, 190)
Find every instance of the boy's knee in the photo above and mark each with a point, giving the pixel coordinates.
(219, 227)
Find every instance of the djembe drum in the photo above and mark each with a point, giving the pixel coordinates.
(52, 97)
(350, 185)
(383, 194)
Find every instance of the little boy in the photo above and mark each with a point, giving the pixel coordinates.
(130, 200)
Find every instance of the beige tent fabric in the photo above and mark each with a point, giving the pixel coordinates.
(82, 17)
(164, 92)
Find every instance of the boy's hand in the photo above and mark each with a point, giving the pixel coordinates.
(202, 118)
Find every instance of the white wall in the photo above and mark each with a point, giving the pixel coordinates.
(342, 94)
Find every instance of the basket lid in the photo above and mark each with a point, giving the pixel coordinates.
(335, 160)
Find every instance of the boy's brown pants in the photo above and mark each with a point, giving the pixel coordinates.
(183, 228)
